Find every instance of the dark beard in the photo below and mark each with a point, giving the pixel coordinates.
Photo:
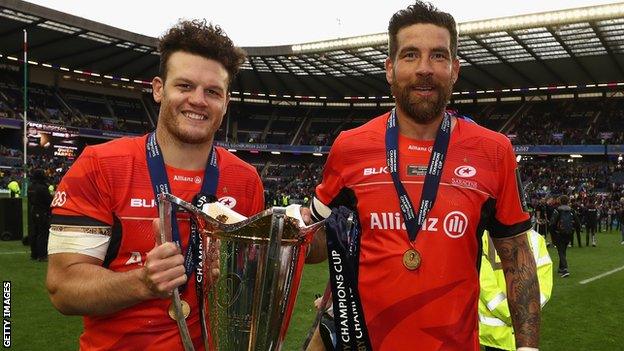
(422, 111)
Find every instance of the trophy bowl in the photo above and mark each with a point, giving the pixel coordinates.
(251, 274)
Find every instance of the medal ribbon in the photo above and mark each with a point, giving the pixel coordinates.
(160, 184)
(343, 248)
(414, 221)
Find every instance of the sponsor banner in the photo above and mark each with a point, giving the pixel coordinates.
(103, 134)
(11, 123)
(297, 149)
(615, 149)
(565, 149)
(519, 149)
(52, 140)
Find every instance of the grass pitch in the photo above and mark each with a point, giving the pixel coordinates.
(579, 316)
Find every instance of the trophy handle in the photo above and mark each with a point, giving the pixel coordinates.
(165, 213)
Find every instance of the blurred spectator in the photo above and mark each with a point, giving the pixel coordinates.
(39, 200)
(563, 224)
(14, 187)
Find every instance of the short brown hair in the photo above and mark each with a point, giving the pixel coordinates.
(420, 12)
(200, 38)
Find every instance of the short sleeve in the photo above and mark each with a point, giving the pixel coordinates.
(332, 182)
(510, 215)
(84, 192)
(258, 198)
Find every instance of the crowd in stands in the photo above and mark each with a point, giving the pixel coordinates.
(11, 166)
(293, 182)
(565, 122)
(559, 177)
(588, 183)
(71, 108)
(595, 189)
(528, 134)
(569, 123)
(317, 139)
(546, 178)
(552, 122)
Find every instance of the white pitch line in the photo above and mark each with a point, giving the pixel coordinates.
(601, 275)
(13, 252)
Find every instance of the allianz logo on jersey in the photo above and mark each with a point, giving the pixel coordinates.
(419, 148)
(181, 178)
(454, 224)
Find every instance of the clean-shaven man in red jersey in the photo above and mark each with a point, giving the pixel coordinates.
(103, 262)
(425, 185)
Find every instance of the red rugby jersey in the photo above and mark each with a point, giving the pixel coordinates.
(109, 184)
(435, 306)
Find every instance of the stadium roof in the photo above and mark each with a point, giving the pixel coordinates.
(567, 48)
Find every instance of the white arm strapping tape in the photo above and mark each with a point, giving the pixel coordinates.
(77, 241)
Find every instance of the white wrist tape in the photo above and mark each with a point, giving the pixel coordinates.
(526, 348)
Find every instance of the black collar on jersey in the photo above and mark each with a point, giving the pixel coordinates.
(160, 184)
(413, 222)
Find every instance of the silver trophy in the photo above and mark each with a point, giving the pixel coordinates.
(251, 274)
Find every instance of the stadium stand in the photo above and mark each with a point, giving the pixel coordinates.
(534, 81)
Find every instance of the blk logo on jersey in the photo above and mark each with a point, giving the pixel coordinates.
(228, 201)
(455, 224)
(465, 171)
(143, 203)
(375, 170)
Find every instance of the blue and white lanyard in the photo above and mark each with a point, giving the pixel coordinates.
(414, 221)
(160, 184)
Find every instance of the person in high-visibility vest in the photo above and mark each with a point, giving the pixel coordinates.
(14, 188)
(495, 329)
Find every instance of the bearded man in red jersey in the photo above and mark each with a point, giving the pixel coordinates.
(425, 184)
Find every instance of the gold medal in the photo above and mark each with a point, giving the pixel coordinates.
(186, 310)
(411, 259)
